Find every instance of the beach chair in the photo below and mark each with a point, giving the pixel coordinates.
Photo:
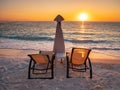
(78, 60)
(40, 66)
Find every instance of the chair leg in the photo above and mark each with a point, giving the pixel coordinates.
(85, 67)
(52, 71)
(29, 69)
(67, 68)
(90, 65)
(33, 67)
(52, 67)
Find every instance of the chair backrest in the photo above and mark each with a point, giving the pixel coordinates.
(49, 53)
(79, 55)
(41, 59)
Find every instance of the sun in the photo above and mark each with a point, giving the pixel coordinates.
(83, 17)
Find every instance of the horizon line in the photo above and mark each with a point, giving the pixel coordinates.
(51, 21)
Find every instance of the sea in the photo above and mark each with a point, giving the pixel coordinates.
(102, 37)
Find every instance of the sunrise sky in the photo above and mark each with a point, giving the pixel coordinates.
(46, 10)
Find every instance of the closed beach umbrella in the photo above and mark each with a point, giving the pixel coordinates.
(59, 46)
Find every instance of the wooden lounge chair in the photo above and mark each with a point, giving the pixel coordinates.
(78, 60)
(39, 65)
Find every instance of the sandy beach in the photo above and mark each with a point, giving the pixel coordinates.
(14, 68)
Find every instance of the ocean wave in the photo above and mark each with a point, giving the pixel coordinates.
(116, 49)
(78, 33)
(46, 38)
(88, 41)
(28, 38)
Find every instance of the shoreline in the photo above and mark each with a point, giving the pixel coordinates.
(95, 57)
